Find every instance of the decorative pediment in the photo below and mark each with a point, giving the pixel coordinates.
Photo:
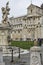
(30, 6)
(31, 9)
(34, 10)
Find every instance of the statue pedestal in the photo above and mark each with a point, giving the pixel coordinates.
(2, 63)
(1, 57)
(35, 58)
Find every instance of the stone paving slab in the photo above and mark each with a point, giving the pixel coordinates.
(24, 60)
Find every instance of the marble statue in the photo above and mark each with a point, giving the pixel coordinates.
(5, 12)
(5, 28)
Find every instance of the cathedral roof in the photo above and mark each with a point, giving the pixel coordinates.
(33, 6)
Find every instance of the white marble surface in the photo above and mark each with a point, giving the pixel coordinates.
(1, 56)
(2, 63)
(35, 56)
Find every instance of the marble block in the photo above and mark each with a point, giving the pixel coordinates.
(42, 52)
(35, 58)
(2, 63)
(1, 57)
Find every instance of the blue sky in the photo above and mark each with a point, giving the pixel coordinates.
(18, 7)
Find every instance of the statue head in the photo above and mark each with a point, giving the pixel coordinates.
(7, 3)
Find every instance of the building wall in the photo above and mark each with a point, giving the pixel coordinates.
(28, 27)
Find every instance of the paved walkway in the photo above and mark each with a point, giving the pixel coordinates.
(24, 60)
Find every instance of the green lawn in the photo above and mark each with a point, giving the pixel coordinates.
(23, 44)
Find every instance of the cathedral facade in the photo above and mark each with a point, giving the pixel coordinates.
(29, 26)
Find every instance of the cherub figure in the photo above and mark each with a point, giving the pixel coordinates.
(5, 12)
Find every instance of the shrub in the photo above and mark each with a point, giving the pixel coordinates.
(23, 44)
